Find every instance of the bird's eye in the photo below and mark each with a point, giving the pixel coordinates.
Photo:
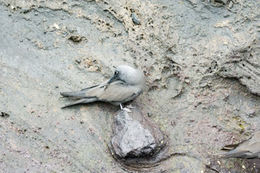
(116, 73)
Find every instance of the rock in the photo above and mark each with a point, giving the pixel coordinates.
(244, 65)
(4, 114)
(76, 38)
(135, 136)
(221, 1)
(135, 19)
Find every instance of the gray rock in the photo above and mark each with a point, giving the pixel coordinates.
(135, 19)
(134, 135)
(244, 65)
(221, 1)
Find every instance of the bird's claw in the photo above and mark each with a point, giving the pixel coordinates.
(127, 110)
(130, 107)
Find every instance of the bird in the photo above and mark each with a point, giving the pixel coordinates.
(125, 85)
(248, 149)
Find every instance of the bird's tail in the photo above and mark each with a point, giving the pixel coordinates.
(81, 101)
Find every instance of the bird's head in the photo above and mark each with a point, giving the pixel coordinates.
(128, 74)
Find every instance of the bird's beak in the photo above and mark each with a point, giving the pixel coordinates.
(112, 79)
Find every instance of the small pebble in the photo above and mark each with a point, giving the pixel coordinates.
(76, 38)
(4, 115)
(135, 19)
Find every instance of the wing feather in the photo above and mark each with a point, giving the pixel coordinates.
(118, 91)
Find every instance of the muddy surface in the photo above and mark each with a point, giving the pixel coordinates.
(200, 58)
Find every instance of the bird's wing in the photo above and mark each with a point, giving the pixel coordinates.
(248, 149)
(236, 154)
(118, 91)
(81, 101)
(90, 92)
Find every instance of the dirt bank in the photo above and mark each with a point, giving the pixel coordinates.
(200, 58)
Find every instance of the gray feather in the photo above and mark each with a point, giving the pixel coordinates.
(79, 94)
(81, 101)
(236, 154)
(248, 149)
(74, 95)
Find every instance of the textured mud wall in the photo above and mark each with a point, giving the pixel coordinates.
(201, 60)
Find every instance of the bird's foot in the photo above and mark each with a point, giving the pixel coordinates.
(125, 109)
(130, 106)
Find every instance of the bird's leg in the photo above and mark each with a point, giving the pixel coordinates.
(121, 106)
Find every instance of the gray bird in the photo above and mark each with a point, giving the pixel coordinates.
(126, 84)
(248, 149)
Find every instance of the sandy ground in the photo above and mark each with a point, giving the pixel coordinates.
(200, 58)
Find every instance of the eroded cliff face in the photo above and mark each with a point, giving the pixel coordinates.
(200, 58)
